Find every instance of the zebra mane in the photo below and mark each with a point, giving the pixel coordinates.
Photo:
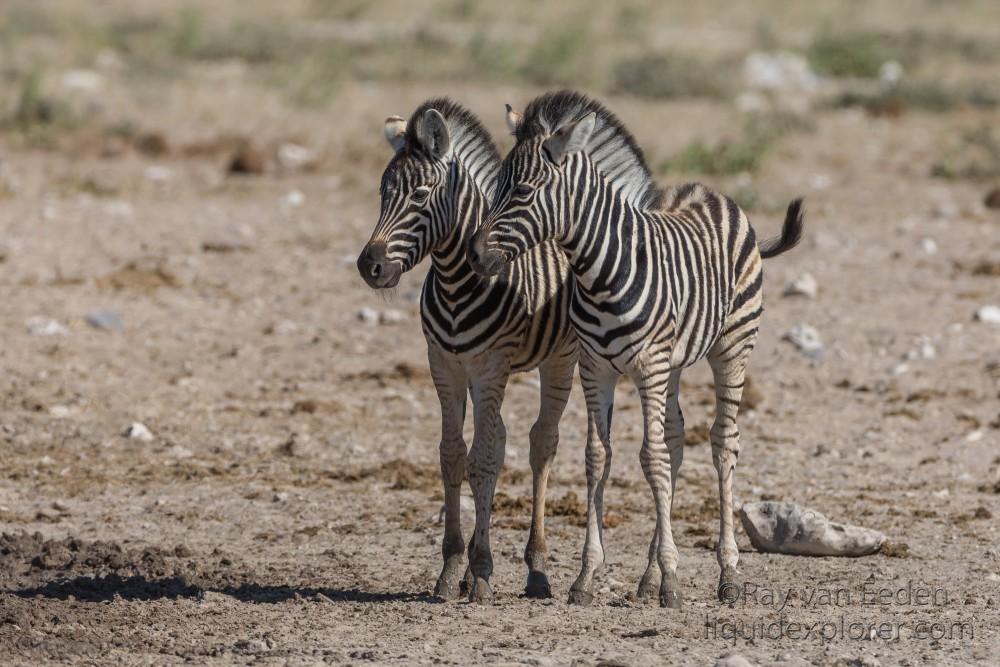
(470, 141)
(612, 147)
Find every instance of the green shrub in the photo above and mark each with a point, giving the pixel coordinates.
(668, 76)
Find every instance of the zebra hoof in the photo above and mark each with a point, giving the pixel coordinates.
(481, 592)
(538, 586)
(649, 588)
(730, 590)
(670, 592)
(449, 585)
(467, 582)
(580, 598)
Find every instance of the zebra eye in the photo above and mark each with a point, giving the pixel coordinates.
(420, 195)
(523, 190)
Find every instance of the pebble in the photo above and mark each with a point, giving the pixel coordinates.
(369, 316)
(778, 527)
(85, 80)
(43, 326)
(293, 156)
(989, 314)
(975, 436)
(992, 198)
(280, 497)
(922, 349)
(733, 660)
(294, 199)
(805, 285)
(59, 411)
(391, 317)
(108, 320)
(138, 431)
(806, 339)
(155, 173)
(929, 246)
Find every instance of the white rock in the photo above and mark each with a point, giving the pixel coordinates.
(890, 73)
(369, 316)
(293, 156)
(975, 436)
(777, 527)
(805, 285)
(806, 339)
(43, 326)
(922, 349)
(84, 80)
(781, 71)
(990, 314)
(59, 411)
(138, 431)
(294, 199)
(280, 497)
(391, 317)
(155, 173)
(929, 245)
(733, 660)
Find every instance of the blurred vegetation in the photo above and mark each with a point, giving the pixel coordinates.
(850, 54)
(974, 155)
(745, 153)
(670, 76)
(919, 95)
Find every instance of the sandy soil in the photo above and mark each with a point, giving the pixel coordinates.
(286, 509)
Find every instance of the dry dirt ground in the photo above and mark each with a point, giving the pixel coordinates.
(285, 510)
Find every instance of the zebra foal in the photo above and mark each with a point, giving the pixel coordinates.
(479, 330)
(663, 278)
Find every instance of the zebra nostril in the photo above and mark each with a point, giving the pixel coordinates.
(376, 270)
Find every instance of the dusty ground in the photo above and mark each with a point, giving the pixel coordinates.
(285, 510)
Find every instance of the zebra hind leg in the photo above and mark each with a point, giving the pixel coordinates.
(556, 376)
(729, 373)
(649, 585)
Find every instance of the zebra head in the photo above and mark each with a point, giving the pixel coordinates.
(415, 207)
(533, 194)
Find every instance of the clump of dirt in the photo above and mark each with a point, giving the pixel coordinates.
(401, 474)
(697, 434)
(134, 276)
(247, 160)
(895, 549)
(22, 553)
(401, 372)
(504, 504)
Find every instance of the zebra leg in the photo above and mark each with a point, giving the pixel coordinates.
(450, 382)
(483, 465)
(556, 376)
(600, 393)
(649, 586)
(729, 373)
(656, 465)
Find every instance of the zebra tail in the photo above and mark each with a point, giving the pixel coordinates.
(791, 232)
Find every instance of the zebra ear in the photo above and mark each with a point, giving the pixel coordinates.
(513, 119)
(395, 132)
(433, 133)
(570, 138)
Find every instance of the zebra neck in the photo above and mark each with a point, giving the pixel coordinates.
(604, 224)
(468, 208)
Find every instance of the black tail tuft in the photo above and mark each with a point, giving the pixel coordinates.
(791, 232)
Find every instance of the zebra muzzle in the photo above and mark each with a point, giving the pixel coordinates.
(376, 269)
(485, 261)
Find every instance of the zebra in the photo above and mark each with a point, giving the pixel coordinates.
(663, 278)
(434, 193)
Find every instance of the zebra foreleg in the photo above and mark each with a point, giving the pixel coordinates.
(556, 377)
(450, 382)
(483, 464)
(649, 586)
(600, 393)
(729, 373)
(655, 459)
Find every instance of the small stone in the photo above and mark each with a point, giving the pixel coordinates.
(293, 156)
(779, 527)
(989, 314)
(821, 449)
(805, 285)
(929, 246)
(158, 174)
(890, 73)
(975, 436)
(251, 646)
(59, 411)
(806, 339)
(43, 326)
(369, 316)
(280, 497)
(922, 349)
(138, 431)
(294, 199)
(733, 660)
(391, 317)
(108, 320)
(84, 80)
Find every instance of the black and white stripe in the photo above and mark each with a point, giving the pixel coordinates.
(663, 278)
(434, 193)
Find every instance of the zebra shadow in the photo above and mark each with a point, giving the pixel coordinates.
(142, 589)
